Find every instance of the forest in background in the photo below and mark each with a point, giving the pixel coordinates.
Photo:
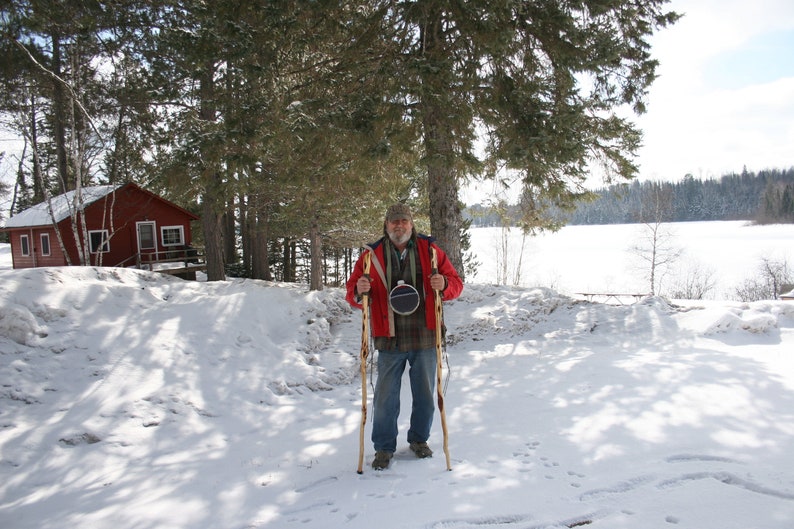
(765, 197)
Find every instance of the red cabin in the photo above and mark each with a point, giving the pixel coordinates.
(125, 225)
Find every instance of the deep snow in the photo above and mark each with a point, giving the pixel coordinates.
(130, 399)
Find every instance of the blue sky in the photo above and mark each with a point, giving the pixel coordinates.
(765, 58)
(724, 98)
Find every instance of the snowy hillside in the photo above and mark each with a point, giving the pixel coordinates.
(130, 400)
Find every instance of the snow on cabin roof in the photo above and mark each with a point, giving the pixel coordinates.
(39, 215)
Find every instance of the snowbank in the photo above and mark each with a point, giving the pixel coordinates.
(130, 399)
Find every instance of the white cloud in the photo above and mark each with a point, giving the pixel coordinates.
(694, 126)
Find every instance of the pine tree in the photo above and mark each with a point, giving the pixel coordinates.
(540, 82)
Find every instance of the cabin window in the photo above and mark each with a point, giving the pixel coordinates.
(99, 241)
(24, 242)
(45, 244)
(172, 235)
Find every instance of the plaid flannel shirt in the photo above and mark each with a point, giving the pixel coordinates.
(410, 332)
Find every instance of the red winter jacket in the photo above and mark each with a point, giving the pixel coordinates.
(382, 316)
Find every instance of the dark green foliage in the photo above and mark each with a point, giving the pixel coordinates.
(295, 121)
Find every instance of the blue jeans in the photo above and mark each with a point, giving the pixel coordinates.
(422, 374)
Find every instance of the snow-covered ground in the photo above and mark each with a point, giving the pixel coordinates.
(132, 400)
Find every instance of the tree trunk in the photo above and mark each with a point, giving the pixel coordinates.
(255, 246)
(288, 266)
(229, 238)
(59, 116)
(212, 224)
(38, 178)
(246, 220)
(213, 203)
(260, 263)
(316, 251)
(445, 218)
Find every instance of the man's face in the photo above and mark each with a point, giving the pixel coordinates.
(399, 230)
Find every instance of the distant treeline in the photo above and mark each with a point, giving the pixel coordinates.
(766, 197)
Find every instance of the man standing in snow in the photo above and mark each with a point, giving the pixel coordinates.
(403, 323)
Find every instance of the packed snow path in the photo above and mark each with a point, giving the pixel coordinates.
(134, 400)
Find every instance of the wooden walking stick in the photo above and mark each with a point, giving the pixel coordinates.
(439, 354)
(363, 367)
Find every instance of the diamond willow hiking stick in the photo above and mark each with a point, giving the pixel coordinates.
(364, 354)
(439, 323)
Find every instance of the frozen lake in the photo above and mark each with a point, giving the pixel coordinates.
(601, 259)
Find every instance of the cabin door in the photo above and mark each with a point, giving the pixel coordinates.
(147, 241)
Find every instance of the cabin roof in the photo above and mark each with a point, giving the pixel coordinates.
(62, 207)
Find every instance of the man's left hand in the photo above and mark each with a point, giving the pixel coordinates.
(438, 282)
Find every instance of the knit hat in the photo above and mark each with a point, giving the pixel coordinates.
(399, 211)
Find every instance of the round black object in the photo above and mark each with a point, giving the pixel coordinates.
(404, 299)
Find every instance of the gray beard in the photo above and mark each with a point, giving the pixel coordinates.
(399, 240)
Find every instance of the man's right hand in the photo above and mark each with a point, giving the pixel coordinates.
(363, 285)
